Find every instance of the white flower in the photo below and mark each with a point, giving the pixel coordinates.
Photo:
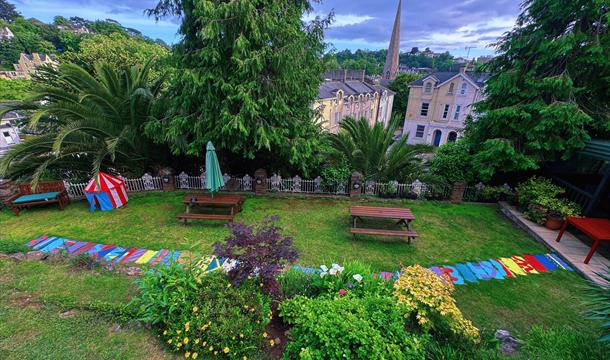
(324, 271)
(337, 269)
(333, 271)
(228, 265)
(357, 277)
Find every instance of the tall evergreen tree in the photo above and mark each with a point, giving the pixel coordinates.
(8, 12)
(247, 74)
(549, 88)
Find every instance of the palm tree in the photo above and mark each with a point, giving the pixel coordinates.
(373, 151)
(85, 122)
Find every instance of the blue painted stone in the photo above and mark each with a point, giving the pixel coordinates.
(466, 273)
(44, 243)
(478, 271)
(547, 262)
(492, 270)
(561, 263)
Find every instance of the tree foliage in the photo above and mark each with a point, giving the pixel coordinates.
(86, 123)
(15, 89)
(400, 86)
(119, 50)
(247, 73)
(373, 152)
(548, 93)
(8, 11)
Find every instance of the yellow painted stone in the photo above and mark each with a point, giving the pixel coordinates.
(523, 264)
(146, 257)
(512, 266)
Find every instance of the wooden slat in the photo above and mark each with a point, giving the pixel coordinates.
(381, 212)
(405, 233)
(205, 216)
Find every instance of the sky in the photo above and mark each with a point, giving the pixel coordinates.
(441, 25)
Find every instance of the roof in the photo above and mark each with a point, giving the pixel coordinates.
(443, 76)
(329, 89)
(597, 149)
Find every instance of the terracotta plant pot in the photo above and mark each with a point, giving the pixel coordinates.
(553, 223)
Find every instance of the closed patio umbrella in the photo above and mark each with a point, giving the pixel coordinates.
(213, 175)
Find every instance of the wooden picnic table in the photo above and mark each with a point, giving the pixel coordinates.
(403, 216)
(595, 228)
(232, 202)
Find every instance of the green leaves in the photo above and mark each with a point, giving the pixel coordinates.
(247, 74)
(88, 122)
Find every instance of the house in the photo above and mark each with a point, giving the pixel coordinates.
(439, 104)
(6, 34)
(74, 28)
(8, 133)
(27, 65)
(347, 93)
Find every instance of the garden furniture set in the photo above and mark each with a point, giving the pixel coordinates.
(597, 229)
(47, 192)
(403, 216)
(215, 207)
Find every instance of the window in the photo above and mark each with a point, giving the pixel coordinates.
(424, 109)
(337, 118)
(419, 133)
(451, 86)
(452, 136)
(456, 116)
(464, 88)
(7, 137)
(446, 112)
(428, 88)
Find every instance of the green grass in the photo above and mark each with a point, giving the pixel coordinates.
(448, 233)
(32, 328)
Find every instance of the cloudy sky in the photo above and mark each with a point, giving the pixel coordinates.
(367, 24)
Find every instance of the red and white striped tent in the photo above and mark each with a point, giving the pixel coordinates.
(106, 192)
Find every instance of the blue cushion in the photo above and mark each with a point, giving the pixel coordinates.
(36, 197)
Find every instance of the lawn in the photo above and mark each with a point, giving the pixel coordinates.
(448, 233)
(34, 294)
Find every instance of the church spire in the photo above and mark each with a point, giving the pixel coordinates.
(390, 69)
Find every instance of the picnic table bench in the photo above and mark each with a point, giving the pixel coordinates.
(232, 203)
(47, 192)
(403, 216)
(596, 228)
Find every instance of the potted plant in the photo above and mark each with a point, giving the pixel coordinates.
(557, 210)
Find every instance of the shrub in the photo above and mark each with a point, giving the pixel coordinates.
(349, 328)
(337, 170)
(598, 305)
(297, 282)
(452, 162)
(260, 249)
(559, 207)
(203, 315)
(428, 298)
(497, 193)
(535, 189)
(355, 279)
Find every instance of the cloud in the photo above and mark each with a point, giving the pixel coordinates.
(438, 24)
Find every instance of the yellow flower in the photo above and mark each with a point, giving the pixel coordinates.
(245, 306)
(169, 341)
(233, 337)
(178, 331)
(229, 285)
(226, 350)
(204, 343)
(179, 345)
(187, 326)
(195, 355)
(187, 354)
(215, 352)
(186, 340)
(165, 332)
(197, 341)
(195, 309)
(271, 342)
(211, 348)
(265, 334)
(241, 335)
(245, 358)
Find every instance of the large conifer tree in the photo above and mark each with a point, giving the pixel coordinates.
(248, 71)
(549, 89)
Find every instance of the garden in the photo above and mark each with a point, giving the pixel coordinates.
(259, 309)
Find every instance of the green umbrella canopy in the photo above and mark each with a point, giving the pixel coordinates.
(213, 175)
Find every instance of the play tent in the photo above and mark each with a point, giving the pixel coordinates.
(106, 192)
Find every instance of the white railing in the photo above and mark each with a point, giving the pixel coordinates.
(145, 183)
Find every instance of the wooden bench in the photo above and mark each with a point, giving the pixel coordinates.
(47, 192)
(192, 216)
(598, 229)
(405, 233)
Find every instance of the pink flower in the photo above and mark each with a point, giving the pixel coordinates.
(342, 292)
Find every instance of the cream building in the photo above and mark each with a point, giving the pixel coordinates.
(8, 133)
(352, 96)
(27, 65)
(439, 104)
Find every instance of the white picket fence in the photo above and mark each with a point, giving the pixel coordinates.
(145, 183)
(276, 183)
